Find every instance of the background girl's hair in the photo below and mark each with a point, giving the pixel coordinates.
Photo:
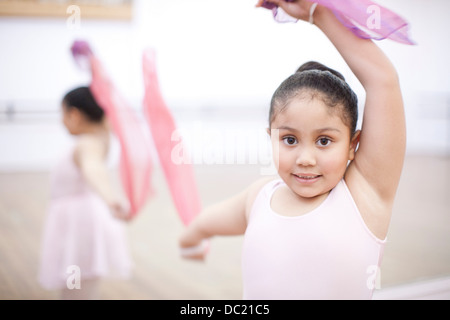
(82, 99)
(325, 83)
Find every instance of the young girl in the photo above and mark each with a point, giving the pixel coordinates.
(318, 230)
(83, 239)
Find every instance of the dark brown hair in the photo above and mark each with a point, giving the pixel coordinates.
(322, 82)
(82, 99)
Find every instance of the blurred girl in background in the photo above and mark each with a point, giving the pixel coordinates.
(84, 237)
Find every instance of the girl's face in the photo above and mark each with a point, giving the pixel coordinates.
(71, 119)
(312, 146)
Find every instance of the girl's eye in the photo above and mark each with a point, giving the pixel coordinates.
(290, 140)
(323, 142)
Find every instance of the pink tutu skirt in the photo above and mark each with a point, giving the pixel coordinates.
(80, 231)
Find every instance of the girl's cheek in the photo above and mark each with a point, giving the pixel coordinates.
(334, 164)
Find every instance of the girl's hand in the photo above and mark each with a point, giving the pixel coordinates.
(193, 251)
(298, 9)
(119, 210)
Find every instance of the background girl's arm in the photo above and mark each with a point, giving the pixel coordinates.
(90, 158)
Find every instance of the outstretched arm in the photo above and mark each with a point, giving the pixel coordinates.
(224, 218)
(228, 217)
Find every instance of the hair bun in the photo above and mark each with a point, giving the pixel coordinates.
(313, 65)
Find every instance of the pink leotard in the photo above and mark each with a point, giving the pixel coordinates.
(328, 253)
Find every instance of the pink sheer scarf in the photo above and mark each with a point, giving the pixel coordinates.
(179, 175)
(135, 158)
(365, 18)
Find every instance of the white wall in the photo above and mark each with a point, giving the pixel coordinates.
(212, 56)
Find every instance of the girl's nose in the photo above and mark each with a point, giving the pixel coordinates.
(306, 157)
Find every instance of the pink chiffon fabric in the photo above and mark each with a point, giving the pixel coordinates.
(360, 16)
(179, 175)
(135, 158)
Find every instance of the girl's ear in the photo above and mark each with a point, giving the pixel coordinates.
(354, 144)
(268, 131)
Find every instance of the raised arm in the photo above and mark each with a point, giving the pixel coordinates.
(379, 159)
(382, 142)
(374, 174)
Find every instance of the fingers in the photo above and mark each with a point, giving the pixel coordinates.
(261, 3)
(196, 252)
(121, 215)
(119, 211)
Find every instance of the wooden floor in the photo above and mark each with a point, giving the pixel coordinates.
(418, 247)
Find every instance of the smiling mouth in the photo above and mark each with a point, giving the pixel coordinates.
(307, 177)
